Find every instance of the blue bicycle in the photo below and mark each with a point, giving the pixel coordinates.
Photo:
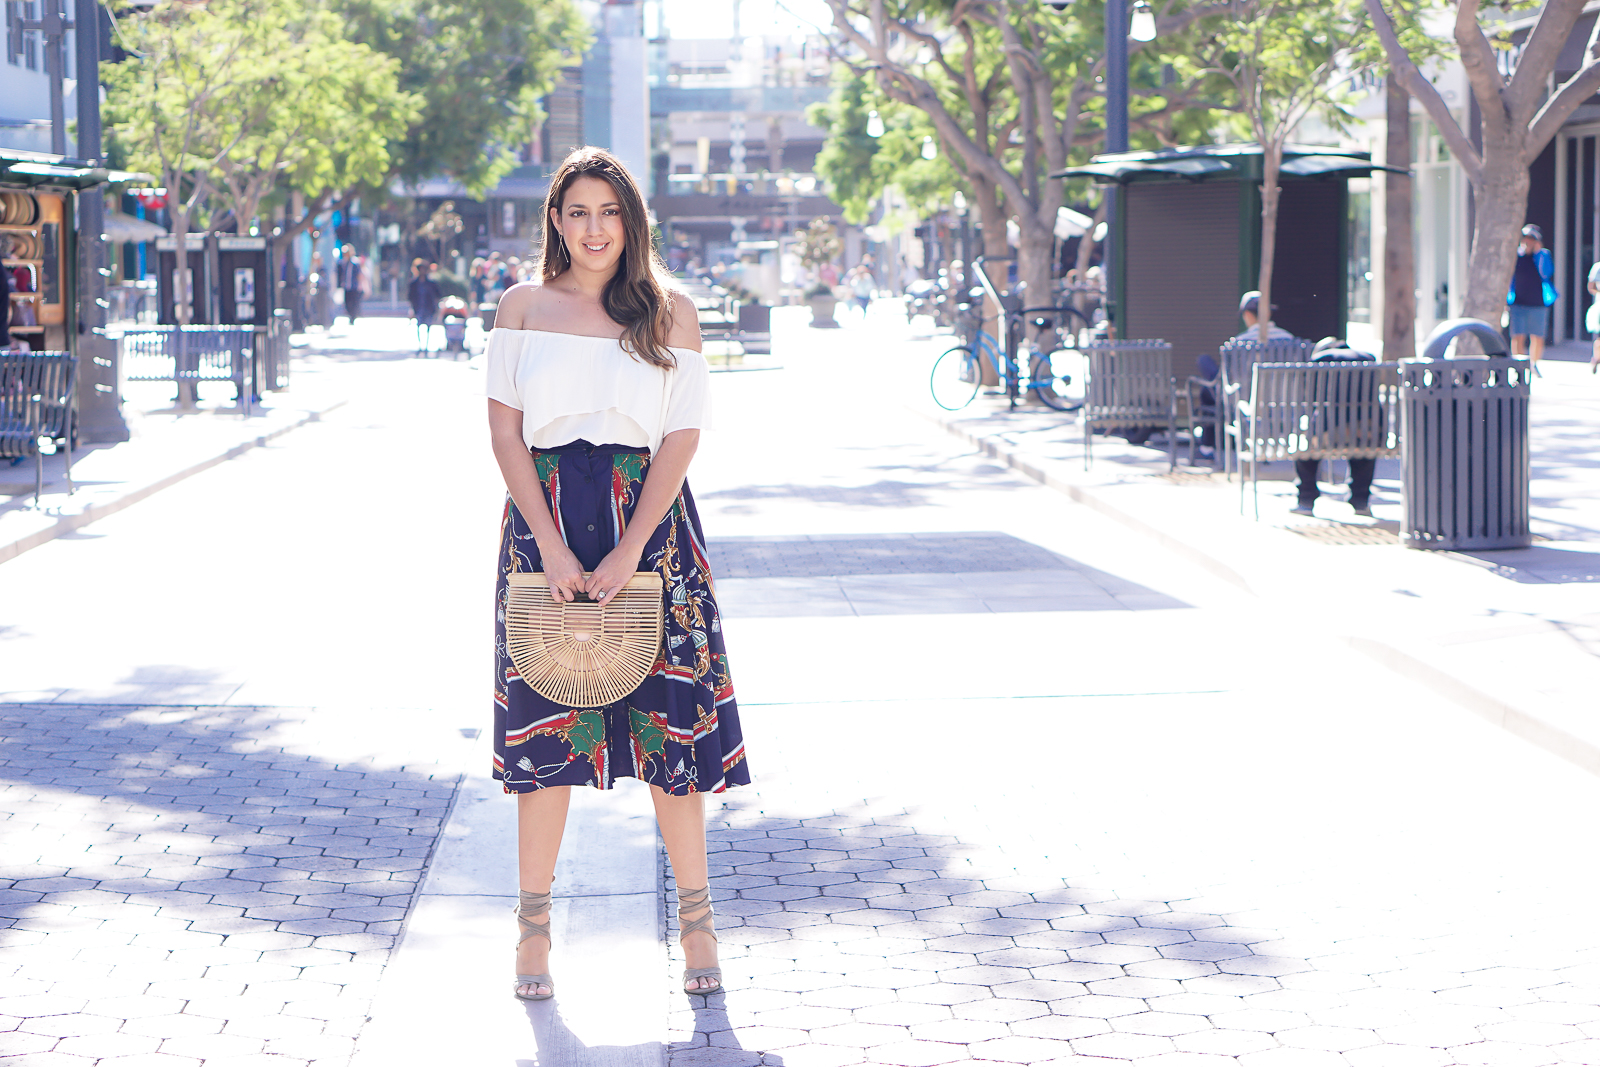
(1050, 359)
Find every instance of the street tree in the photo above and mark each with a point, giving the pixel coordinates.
(1517, 115)
(1282, 57)
(858, 167)
(329, 109)
(478, 69)
(1012, 89)
(188, 96)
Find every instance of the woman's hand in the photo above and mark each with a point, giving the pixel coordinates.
(620, 564)
(563, 571)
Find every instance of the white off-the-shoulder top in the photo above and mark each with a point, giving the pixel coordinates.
(573, 387)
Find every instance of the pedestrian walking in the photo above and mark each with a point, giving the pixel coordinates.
(597, 395)
(861, 285)
(1591, 318)
(353, 280)
(1531, 295)
(423, 296)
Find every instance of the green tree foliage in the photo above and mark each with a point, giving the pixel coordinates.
(1283, 57)
(329, 110)
(479, 68)
(1516, 115)
(190, 94)
(858, 168)
(1012, 91)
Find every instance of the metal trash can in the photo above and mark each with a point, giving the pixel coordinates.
(1464, 445)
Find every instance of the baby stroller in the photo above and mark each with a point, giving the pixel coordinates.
(453, 317)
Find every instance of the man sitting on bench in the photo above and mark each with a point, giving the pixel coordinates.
(1333, 350)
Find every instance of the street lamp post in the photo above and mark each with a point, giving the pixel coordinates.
(1116, 141)
(99, 405)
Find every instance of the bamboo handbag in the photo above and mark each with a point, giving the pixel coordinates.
(581, 654)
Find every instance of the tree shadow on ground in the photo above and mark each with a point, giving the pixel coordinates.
(855, 933)
(166, 847)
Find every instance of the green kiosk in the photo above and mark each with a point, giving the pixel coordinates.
(1188, 241)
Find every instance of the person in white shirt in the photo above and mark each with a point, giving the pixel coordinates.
(597, 395)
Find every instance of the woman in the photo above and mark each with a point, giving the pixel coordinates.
(597, 394)
(423, 295)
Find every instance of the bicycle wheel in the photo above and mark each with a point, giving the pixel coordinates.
(1057, 379)
(954, 380)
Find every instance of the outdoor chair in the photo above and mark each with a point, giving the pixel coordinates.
(1332, 410)
(36, 406)
(1131, 386)
(1234, 360)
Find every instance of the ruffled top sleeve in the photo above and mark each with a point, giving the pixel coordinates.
(500, 363)
(571, 387)
(689, 393)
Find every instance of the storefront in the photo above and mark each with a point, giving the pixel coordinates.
(39, 215)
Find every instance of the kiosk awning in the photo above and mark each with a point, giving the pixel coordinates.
(33, 169)
(1223, 162)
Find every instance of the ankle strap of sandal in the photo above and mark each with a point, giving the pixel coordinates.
(694, 900)
(529, 905)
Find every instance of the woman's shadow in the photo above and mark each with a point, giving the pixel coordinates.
(714, 1042)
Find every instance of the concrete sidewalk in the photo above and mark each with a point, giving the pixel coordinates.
(167, 445)
(1512, 636)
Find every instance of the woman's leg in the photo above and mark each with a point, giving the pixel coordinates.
(541, 819)
(683, 831)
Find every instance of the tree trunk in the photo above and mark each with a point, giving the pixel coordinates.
(182, 296)
(1086, 246)
(1399, 249)
(1036, 267)
(995, 248)
(1501, 205)
(1271, 164)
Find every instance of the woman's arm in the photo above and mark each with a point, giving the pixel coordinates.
(662, 482)
(561, 567)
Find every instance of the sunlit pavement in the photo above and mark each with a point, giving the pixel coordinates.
(1028, 788)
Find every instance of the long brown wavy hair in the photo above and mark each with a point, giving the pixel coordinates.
(636, 297)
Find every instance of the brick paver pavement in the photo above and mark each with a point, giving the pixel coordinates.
(959, 849)
(1164, 914)
(188, 885)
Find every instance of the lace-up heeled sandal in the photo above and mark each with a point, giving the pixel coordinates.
(529, 905)
(694, 900)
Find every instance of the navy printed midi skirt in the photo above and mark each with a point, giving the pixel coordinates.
(680, 729)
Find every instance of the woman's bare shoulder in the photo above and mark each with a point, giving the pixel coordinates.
(685, 330)
(520, 306)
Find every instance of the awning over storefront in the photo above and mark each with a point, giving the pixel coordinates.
(120, 227)
(1223, 162)
(35, 169)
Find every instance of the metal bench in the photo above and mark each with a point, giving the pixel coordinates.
(188, 355)
(1331, 410)
(1234, 362)
(1131, 386)
(750, 329)
(37, 406)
